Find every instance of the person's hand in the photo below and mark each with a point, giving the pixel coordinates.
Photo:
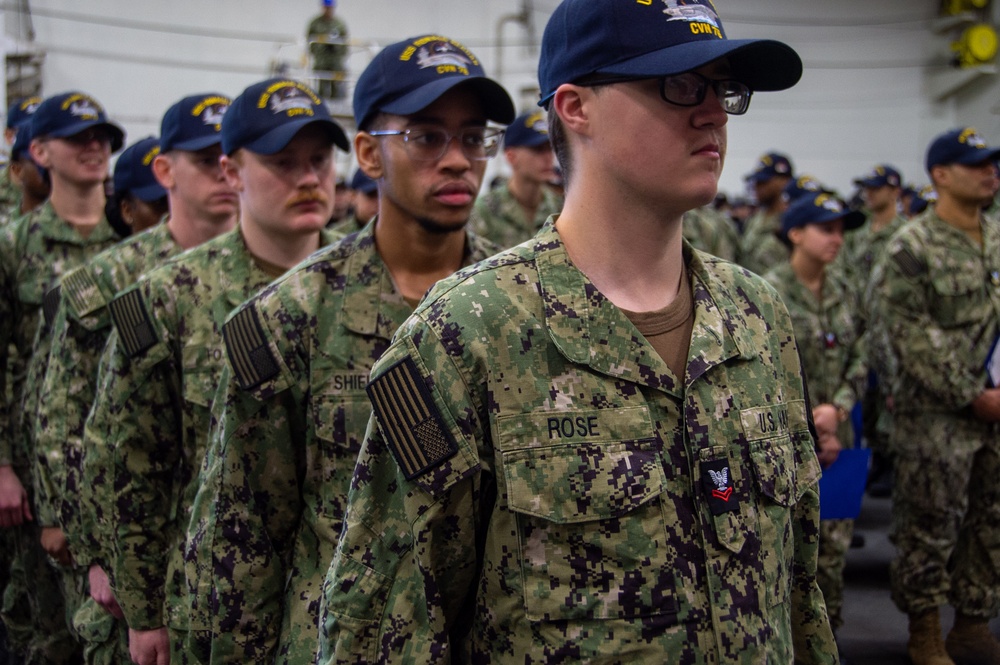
(829, 449)
(987, 405)
(100, 591)
(55, 545)
(14, 508)
(826, 418)
(149, 647)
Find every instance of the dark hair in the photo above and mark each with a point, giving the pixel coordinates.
(560, 146)
(557, 133)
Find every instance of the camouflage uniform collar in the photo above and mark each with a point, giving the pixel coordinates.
(46, 221)
(369, 288)
(370, 293)
(579, 318)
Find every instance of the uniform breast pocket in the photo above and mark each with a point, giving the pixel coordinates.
(340, 420)
(591, 530)
(778, 488)
(959, 298)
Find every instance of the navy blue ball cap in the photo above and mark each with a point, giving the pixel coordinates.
(134, 171)
(194, 122)
(22, 139)
(410, 75)
(770, 165)
(21, 110)
(804, 185)
(528, 130)
(654, 38)
(267, 116)
(819, 209)
(67, 114)
(960, 146)
(361, 182)
(880, 176)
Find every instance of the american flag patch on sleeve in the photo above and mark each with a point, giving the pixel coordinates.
(409, 420)
(249, 353)
(132, 322)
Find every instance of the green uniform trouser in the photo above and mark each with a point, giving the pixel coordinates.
(104, 638)
(834, 541)
(34, 610)
(946, 514)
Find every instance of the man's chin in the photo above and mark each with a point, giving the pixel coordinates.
(439, 227)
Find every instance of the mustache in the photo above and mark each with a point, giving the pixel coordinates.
(312, 196)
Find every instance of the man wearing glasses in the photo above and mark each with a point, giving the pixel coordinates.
(594, 446)
(292, 409)
(73, 139)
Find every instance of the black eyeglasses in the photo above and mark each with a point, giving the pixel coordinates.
(690, 88)
(430, 144)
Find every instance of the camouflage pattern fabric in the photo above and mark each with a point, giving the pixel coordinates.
(35, 251)
(79, 332)
(938, 296)
(710, 231)
(537, 486)
(328, 56)
(498, 217)
(10, 193)
(760, 249)
(828, 335)
(857, 259)
(150, 421)
(271, 503)
(348, 226)
(834, 540)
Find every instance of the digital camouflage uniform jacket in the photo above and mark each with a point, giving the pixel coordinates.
(79, 331)
(760, 249)
(498, 217)
(35, 251)
(710, 231)
(539, 488)
(828, 334)
(151, 416)
(938, 296)
(268, 514)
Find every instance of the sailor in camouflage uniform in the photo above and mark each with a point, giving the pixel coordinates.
(161, 366)
(712, 232)
(881, 189)
(73, 139)
(550, 477)
(203, 205)
(31, 182)
(760, 249)
(292, 408)
(823, 308)
(513, 212)
(938, 296)
(18, 114)
(364, 204)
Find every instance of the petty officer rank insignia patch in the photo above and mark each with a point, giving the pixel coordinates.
(717, 483)
(249, 353)
(132, 322)
(409, 420)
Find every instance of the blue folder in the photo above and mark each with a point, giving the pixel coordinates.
(842, 485)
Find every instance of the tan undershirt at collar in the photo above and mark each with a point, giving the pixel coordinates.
(668, 330)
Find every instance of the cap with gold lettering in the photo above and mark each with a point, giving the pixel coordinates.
(650, 38)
